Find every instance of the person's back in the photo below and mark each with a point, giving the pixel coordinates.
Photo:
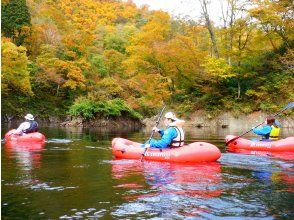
(265, 131)
(29, 126)
(33, 127)
(275, 132)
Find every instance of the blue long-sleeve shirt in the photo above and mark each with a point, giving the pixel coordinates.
(264, 131)
(167, 136)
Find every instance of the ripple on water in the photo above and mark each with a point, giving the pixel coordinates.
(167, 206)
(232, 206)
(46, 186)
(82, 166)
(59, 141)
(174, 206)
(100, 148)
(119, 162)
(250, 162)
(84, 213)
(60, 149)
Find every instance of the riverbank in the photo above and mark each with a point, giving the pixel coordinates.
(227, 120)
(110, 123)
(69, 121)
(197, 119)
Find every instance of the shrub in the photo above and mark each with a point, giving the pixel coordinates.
(113, 108)
(84, 108)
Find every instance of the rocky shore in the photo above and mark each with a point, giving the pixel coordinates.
(197, 119)
(226, 120)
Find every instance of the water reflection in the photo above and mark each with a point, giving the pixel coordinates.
(173, 189)
(28, 158)
(28, 155)
(76, 178)
(281, 155)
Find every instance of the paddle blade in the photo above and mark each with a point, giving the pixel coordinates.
(230, 141)
(290, 105)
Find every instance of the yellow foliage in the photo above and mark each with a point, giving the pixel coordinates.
(14, 73)
(217, 69)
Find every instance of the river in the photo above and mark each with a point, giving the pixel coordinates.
(74, 176)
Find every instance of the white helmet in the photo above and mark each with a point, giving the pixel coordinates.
(29, 117)
(170, 115)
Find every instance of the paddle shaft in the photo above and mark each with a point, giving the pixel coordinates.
(290, 105)
(152, 133)
(4, 139)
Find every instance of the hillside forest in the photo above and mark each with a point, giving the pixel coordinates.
(109, 58)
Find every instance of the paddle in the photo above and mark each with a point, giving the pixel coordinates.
(289, 105)
(4, 139)
(157, 122)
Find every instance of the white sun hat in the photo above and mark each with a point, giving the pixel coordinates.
(170, 115)
(29, 117)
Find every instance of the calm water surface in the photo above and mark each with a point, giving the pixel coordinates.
(74, 176)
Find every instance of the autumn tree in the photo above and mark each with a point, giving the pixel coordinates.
(276, 19)
(15, 20)
(103, 56)
(14, 75)
(15, 78)
(143, 67)
(204, 4)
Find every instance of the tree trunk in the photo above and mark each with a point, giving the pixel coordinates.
(57, 90)
(238, 82)
(209, 27)
(239, 89)
(229, 18)
(232, 20)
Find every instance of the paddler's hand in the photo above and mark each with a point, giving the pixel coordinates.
(155, 129)
(147, 146)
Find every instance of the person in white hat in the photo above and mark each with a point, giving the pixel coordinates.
(173, 136)
(29, 126)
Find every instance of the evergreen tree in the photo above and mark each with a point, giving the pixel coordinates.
(15, 20)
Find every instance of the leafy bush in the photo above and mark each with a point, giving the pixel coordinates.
(84, 108)
(97, 62)
(113, 108)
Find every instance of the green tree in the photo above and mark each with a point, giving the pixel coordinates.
(16, 20)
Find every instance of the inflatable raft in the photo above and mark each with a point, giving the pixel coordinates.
(194, 152)
(283, 145)
(31, 137)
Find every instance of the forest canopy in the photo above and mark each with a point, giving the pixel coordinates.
(110, 58)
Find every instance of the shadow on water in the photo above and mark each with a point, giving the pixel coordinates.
(74, 176)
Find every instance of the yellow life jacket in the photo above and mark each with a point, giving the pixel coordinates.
(275, 133)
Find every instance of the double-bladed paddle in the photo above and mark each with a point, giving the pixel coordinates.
(157, 123)
(288, 106)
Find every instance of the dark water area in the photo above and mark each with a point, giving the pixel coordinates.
(74, 176)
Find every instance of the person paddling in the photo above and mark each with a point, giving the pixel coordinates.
(270, 131)
(173, 136)
(29, 126)
(275, 132)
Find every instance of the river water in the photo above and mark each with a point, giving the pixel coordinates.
(74, 176)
